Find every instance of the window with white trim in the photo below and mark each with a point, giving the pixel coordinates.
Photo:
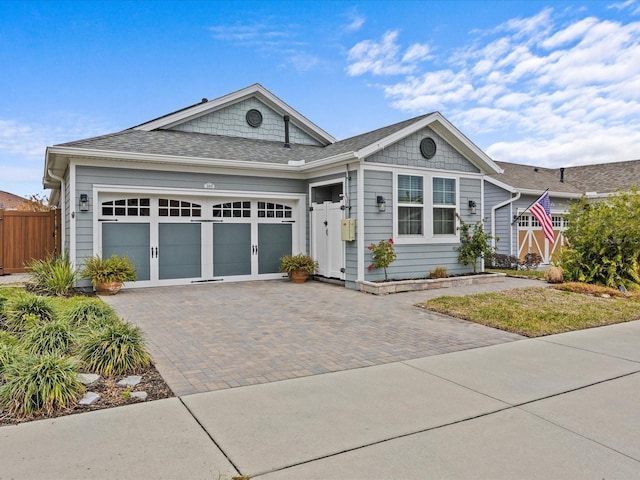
(444, 206)
(410, 205)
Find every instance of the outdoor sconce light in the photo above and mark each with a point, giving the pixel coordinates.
(84, 202)
(472, 206)
(382, 206)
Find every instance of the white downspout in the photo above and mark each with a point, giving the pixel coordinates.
(493, 220)
(63, 209)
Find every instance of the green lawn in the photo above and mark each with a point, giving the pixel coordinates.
(538, 311)
(518, 273)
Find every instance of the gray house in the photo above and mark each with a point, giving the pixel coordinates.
(507, 196)
(220, 190)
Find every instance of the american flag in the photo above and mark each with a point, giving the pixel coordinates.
(542, 211)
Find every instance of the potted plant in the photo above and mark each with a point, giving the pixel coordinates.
(299, 267)
(108, 274)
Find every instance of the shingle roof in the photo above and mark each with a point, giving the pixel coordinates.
(9, 201)
(599, 178)
(199, 145)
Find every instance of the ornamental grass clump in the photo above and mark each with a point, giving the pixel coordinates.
(54, 275)
(10, 351)
(26, 310)
(116, 349)
(83, 311)
(40, 383)
(383, 255)
(56, 337)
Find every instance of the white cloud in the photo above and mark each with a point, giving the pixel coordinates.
(548, 88)
(384, 57)
(632, 5)
(357, 21)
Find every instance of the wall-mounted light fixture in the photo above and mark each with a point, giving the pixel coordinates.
(382, 205)
(84, 202)
(472, 206)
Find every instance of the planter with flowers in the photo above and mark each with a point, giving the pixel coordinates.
(298, 267)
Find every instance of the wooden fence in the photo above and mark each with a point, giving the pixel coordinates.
(25, 236)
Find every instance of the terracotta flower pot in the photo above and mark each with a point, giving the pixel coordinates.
(108, 288)
(299, 276)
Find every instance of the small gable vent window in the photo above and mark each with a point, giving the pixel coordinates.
(126, 207)
(273, 210)
(254, 118)
(178, 208)
(428, 148)
(232, 210)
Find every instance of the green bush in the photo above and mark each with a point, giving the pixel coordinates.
(9, 352)
(116, 349)
(54, 275)
(34, 384)
(26, 309)
(474, 245)
(603, 241)
(82, 311)
(56, 338)
(112, 269)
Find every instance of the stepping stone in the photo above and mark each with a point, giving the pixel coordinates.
(88, 378)
(130, 381)
(142, 396)
(89, 398)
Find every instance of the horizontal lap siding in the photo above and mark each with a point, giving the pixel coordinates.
(494, 195)
(87, 177)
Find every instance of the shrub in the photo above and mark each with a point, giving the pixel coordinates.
(602, 237)
(383, 255)
(116, 349)
(105, 270)
(507, 262)
(474, 245)
(292, 263)
(438, 272)
(55, 337)
(27, 310)
(53, 276)
(34, 384)
(9, 352)
(531, 261)
(83, 311)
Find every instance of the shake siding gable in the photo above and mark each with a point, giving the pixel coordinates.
(406, 152)
(231, 121)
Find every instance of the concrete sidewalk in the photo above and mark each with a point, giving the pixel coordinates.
(563, 406)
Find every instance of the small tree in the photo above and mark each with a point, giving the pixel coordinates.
(474, 245)
(383, 255)
(603, 241)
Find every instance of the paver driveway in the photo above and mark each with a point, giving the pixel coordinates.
(215, 336)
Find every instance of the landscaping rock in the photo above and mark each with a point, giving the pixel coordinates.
(89, 398)
(130, 381)
(142, 396)
(88, 378)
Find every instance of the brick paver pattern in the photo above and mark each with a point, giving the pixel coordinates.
(214, 336)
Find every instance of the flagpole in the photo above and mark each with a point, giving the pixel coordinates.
(532, 204)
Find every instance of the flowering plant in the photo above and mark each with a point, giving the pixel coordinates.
(383, 255)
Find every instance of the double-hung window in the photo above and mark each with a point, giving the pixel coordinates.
(410, 205)
(444, 206)
(426, 208)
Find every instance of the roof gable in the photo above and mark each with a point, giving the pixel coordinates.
(265, 97)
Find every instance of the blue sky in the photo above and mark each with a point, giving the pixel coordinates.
(548, 83)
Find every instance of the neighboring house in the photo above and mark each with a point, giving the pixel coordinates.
(9, 201)
(220, 190)
(508, 195)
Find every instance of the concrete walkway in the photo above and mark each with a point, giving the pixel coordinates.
(563, 406)
(216, 336)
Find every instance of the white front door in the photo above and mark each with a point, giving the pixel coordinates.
(327, 246)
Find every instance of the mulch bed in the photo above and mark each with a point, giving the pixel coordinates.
(111, 396)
